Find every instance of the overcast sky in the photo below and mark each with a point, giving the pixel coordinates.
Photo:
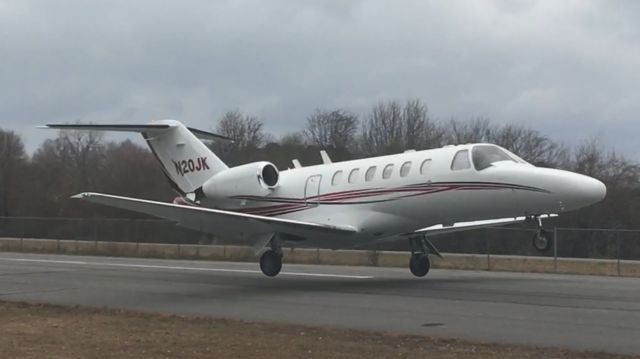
(570, 69)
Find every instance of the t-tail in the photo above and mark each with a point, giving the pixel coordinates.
(185, 159)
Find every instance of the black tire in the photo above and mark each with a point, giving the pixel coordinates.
(542, 241)
(419, 265)
(270, 263)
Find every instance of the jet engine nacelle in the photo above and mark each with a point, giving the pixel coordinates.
(252, 179)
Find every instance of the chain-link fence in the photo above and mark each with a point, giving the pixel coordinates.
(592, 243)
(108, 230)
(615, 244)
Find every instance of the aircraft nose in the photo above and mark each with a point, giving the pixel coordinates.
(591, 189)
(583, 191)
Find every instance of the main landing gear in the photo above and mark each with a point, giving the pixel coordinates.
(419, 264)
(271, 260)
(542, 240)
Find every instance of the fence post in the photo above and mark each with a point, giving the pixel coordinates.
(95, 236)
(136, 234)
(555, 249)
(22, 225)
(488, 248)
(95, 229)
(618, 250)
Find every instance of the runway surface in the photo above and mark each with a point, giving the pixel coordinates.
(574, 312)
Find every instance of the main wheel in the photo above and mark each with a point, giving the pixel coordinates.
(542, 241)
(270, 263)
(419, 265)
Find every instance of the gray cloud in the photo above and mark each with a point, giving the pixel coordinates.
(570, 69)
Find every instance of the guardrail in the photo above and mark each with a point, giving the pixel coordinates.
(378, 258)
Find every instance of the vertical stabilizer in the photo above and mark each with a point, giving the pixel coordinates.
(185, 159)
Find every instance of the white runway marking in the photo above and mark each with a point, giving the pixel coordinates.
(149, 266)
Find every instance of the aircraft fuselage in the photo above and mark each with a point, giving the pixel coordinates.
(394, 194)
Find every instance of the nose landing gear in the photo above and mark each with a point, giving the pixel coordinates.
(542, 240)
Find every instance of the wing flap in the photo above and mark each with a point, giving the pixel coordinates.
(465, 226)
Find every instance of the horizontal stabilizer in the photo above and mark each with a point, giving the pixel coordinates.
(204, 135)
(147, 128)
(107, 127)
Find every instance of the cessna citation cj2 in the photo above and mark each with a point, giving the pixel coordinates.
(410, 196)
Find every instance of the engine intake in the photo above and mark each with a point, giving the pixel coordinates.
(269, 175)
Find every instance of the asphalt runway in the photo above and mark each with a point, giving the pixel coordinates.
(574, 312)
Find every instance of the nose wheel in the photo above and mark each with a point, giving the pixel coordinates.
(542, 240)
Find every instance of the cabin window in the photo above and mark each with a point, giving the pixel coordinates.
(386, 172)
(461, 161)
(425, 166)
(485, 155)
(370, 173)
(353, 176)
(337, 177)
(405, 169)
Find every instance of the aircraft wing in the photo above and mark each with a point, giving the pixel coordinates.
(218, 222)
(465, 226)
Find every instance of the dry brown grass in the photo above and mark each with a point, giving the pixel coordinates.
(48, 331)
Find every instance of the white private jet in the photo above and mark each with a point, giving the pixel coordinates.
(349, 204)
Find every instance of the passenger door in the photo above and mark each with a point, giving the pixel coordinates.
(312, 190)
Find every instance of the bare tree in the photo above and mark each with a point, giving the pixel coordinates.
(392, 127)
(589, 158)
(245, 130)
(132, 170)
(83, 150)
(592, 159)
(335, 129)
(247, 133)
(292, 139)
(472, 131)
(420, 131)
(382, 132)
(64, 166)
(530, 144)
(13, 161)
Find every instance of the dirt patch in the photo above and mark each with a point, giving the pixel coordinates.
(39, 331)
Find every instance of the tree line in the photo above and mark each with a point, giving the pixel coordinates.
(76, 161)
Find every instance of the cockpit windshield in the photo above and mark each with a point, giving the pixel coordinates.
(484, 156)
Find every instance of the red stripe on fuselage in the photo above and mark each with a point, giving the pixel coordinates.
(344, 197)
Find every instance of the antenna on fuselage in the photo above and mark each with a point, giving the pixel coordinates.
(325, 157)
